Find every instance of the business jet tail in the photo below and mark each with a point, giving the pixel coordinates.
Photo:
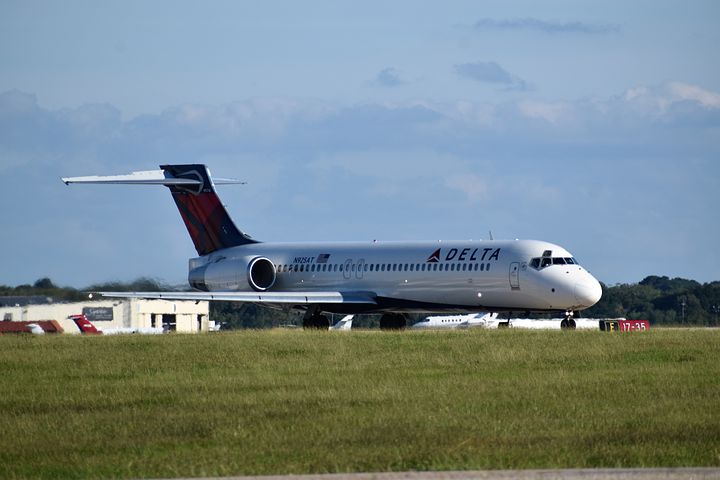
(86, 326)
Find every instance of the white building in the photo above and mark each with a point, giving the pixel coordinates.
(172, 315)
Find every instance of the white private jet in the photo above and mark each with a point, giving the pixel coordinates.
(392, 278)
(481, 320)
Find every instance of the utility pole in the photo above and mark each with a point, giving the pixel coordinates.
(683, 302)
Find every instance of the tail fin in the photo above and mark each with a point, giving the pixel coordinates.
(193, 190)
(205, 217)
(85, 325)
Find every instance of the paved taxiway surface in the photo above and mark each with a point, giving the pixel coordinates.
(569, 474)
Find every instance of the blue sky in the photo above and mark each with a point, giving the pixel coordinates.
(595, 125)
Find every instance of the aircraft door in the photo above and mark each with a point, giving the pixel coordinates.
(360, 268)
(347, 272)
(515, 275)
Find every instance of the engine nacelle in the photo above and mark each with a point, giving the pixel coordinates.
(261, 274)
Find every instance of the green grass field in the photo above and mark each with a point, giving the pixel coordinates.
(270, 402)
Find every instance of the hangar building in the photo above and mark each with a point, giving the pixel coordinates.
(173, 316)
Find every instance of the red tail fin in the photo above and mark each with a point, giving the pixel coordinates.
(205, 217)
(85, 325)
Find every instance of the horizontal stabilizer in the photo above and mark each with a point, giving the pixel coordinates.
(150, 177)
(295, 298)
(193, 191)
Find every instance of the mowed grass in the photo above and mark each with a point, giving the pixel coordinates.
(272, 402)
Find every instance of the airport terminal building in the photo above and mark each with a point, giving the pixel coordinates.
(170, 315)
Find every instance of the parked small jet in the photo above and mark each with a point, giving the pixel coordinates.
(481, 320)
(35, 329)
(88, 328)
(392, 278)
(344, 323)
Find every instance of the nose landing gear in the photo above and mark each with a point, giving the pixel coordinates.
(568, 323)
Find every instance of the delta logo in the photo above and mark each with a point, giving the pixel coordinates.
(466, 254)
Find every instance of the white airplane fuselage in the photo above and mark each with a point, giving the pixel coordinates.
(461, 276)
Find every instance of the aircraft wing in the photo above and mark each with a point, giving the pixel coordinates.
(295, 298)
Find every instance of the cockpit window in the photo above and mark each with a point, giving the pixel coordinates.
(538, 263)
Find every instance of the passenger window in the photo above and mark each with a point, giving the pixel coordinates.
(487, 268)
(482, 267)
(412, 267)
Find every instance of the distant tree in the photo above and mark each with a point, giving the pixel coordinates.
(142, 284)
(667, 285)
(44, 283)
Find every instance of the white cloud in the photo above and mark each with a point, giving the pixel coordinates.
(550, 112)
(474, 187)
(694, 93)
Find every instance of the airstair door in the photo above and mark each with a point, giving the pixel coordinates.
(515, 275)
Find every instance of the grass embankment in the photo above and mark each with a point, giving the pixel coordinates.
(263, 402)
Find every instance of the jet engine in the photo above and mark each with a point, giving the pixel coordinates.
(261, 274)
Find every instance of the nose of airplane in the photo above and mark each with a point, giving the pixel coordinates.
(588, 292)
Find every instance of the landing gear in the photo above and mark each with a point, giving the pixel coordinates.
(568, 323)
(392, 321)
(315, 320)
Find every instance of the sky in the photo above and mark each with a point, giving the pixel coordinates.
(593, 125)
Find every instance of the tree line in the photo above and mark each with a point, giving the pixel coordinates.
(661, 300)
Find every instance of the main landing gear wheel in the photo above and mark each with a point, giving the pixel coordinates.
(392, 321)
(316, 322)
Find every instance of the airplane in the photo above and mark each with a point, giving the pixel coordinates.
(344, 323)
(35, 329)
(391, 278)
(86, 327)
(482, 320)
